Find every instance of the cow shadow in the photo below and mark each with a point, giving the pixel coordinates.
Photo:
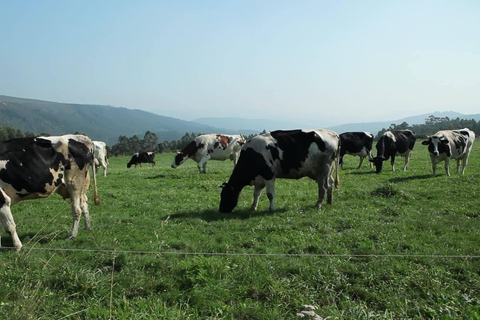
(214, 215)
(410, 178)
(30, 238)
(360, 173)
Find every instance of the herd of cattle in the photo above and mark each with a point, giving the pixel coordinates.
(33, 168)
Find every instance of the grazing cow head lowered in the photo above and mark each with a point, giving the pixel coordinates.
(210, 147)
(290, 154)
(392, 144)
(142, 157)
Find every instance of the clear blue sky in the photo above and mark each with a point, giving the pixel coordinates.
(326, 61)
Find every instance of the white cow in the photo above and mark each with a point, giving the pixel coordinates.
(210, 146)
(100, 154)
(450, 144)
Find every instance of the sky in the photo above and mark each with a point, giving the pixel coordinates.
(328, 62)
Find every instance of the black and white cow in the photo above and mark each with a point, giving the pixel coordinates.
(32, 168)
(284, 154)
(210, 146)
(100, 154)
(450, 144)
(392, 144)
(356, 144)
(142, 157)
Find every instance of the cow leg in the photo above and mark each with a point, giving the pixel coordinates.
(6, 220)
(369, 158)
(256, 195)
(322, 188)
(341, 162)
(434, 167)
(76, 214)
(202, 164)
(447, 166)
(235, 158)
(330, 183)
(86, 212)
(464, 164)
(361, 161)
(271, 193)
(407, 160)
(393, 163)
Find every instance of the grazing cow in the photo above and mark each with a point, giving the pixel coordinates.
(450, 144)
(32, 168)
(356, 144)
(391, 144)
(289, 154)
(100, 154)
(142, 157)
(210, 146)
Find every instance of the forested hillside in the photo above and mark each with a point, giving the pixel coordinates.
(104, 123)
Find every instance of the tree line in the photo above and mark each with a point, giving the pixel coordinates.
(130, 145)
(432, 125)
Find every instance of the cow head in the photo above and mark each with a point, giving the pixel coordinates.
(437, 145)
(180, 158)
(228, 198)
(378, 162)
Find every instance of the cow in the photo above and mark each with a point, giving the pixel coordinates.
(291, 154)
(142, 157)
(37, 167)
(450, 144)
(100, 155)
(210, 146)
(391, 144)
(356, 144)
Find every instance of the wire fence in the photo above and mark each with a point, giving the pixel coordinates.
(319, 255)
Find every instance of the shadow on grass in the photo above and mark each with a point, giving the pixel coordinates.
(30, 238)
(214, 215)
(410, 178)
(358, 173)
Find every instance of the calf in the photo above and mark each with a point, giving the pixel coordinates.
(391, 144)
(210, 146)
(100, 155)
(142, 157)
(356, 144)
(284, 154)
(32, 168)
(450, 144)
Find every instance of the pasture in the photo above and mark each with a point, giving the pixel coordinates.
(392, 246)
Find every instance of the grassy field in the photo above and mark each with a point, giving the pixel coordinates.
(392, 246)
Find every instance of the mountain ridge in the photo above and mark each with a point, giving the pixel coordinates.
(108, 123)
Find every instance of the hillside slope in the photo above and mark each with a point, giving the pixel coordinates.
(104, 123)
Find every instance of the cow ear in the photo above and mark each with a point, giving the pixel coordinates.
(426, 142)
(222, 185)
(444, 140)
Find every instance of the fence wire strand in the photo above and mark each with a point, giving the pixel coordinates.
(320, 255)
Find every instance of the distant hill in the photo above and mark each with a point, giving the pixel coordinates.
(99, 122)
(252, 125)
(374, 127)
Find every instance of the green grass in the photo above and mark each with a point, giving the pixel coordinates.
(383, 250)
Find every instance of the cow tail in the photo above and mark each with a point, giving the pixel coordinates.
(337, 165)
(94, 176)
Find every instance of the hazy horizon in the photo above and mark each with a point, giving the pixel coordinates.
(337, 62)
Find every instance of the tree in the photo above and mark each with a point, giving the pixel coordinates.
(150, 142)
